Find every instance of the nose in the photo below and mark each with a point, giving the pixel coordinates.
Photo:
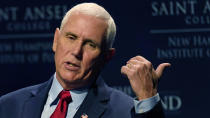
(78, 49)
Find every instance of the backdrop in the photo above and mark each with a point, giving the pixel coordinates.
(175, 31)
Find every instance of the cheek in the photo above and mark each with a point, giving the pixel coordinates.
(58, 59)
(90, 58)
(61, 50)
(63, 47)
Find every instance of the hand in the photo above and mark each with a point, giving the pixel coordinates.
(142, 76)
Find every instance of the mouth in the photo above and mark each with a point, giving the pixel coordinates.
(72, 66)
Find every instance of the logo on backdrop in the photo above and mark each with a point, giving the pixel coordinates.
(30, 18)
(171, 102)
(182, 26)
(27, 33)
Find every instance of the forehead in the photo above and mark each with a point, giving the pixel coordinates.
(85, 25)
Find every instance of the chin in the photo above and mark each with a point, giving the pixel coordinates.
(70, 77)
(74, 79)
(75, 83)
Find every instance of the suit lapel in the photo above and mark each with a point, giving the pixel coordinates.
(96, 102)
(34, 105)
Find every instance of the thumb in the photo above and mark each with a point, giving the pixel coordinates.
(160, 68)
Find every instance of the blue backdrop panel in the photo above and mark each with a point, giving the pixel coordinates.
(175, 31)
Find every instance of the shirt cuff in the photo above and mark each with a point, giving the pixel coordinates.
(146, 105)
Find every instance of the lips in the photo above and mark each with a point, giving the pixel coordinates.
(72, 66)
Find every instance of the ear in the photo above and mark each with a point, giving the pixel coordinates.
(56, 38)
(109, 54)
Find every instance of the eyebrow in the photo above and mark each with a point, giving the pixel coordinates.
(70, 33)
(87, 40)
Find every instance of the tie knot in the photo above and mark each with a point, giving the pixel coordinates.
(65, 95)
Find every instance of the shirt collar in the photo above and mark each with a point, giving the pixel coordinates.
(56, 88)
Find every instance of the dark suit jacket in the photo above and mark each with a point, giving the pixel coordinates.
(101, 102)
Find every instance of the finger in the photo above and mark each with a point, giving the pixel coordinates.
(135, 65)
(133, 61)
(160, 69)
(139, 58)
(142, 59)
(125, 70)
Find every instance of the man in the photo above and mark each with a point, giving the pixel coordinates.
(82, 46)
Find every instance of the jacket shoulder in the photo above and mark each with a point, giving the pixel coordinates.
(12, 104)
(20, 94)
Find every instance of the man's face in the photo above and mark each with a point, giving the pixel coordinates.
(77, 48)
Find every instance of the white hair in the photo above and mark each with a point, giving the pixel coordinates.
(98, 11)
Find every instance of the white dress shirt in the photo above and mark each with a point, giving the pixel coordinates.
(78, 97)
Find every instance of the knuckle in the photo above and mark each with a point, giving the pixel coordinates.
(138, 56)
(144, 65)
(149, 64)
(138, 67)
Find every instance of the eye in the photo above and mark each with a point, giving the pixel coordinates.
(91, 44)
(71, 37)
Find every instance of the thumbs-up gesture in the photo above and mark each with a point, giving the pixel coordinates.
(142, 76)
